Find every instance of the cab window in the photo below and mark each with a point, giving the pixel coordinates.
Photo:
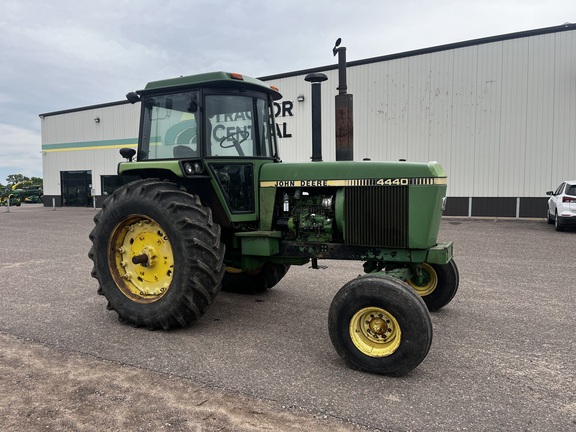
(170, 127)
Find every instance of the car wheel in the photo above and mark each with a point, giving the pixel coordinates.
(548, 217)
(557, 224)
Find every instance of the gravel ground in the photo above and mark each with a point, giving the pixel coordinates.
(42, 388)
(502, 357)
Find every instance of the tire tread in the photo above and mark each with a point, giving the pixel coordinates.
(198, 236)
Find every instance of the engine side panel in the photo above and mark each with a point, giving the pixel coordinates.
(369, 204)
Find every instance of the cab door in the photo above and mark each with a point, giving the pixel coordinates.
(238, 140)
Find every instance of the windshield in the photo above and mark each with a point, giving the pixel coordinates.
(238, 126)
(234, 126)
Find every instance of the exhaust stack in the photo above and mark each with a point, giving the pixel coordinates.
(316, 79)
(343, 103)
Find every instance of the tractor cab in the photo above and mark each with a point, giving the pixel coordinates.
(207, 122)
(216, 125)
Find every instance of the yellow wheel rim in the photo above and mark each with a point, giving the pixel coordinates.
(233, 270)
(430, 281)
(141, 259)
(375, 332)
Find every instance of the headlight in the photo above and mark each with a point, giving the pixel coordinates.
(193, 168)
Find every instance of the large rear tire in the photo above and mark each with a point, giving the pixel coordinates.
(379, 324)
(439, 285)
(268, 276)
(157, 255)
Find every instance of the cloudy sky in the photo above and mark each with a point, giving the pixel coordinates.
(66, 54)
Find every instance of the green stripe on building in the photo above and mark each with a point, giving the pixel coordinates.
(90, 145)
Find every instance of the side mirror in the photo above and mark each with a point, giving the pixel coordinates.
(127, 153)
(133, 97)
(550, 193)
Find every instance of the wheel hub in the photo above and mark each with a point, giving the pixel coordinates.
(142, 261)
(426, 281)
(375, 332)
(378, 327)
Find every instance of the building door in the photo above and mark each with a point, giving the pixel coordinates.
(76, 188)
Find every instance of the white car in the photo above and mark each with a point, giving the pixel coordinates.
(562, 205)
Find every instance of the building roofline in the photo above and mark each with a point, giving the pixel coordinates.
(85, 108)
(450, 46)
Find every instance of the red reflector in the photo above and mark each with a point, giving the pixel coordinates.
(274, 88)
(237, 76)
(569, 200)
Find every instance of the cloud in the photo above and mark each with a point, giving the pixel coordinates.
(20, 152)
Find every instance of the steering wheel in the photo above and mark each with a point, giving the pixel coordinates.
(243, 137)
(235, 142)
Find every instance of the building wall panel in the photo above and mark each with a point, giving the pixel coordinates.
(563, 149)
(441, 108)
(540, 120)
(487, 121)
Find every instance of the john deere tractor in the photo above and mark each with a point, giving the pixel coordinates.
(211, 206)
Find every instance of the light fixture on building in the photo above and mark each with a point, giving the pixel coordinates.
(300, 98)
(97, 119)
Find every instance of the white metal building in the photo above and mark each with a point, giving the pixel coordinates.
(498, 113)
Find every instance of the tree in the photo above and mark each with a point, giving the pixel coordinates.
(21, 181)
(12, 179)
(37, 181)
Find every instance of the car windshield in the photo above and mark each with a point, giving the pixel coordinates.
(571, 190)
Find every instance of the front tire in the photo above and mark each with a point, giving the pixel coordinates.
(157, 255)
(379, 324)
(439, 285)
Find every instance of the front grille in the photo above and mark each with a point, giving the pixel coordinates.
(376, 216)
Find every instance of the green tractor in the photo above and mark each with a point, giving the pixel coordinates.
(213, 207)
(29, 195)
(11, 200)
